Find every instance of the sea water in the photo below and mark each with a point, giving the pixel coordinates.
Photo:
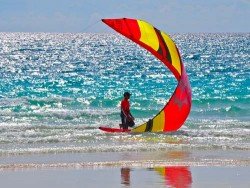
(57, 89)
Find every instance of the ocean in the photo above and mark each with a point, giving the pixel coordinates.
(56, 89)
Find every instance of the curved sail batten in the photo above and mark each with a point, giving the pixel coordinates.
(175, 112)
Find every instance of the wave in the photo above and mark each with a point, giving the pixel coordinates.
(126, 163)
(232, 108)
(226, 110)
(77, 112)
(193, 56)
(132, 145)
(16, 140)
(229, 99)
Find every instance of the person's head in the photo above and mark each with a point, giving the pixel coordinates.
(126, 95)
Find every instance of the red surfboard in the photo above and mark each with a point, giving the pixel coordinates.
(114, 130)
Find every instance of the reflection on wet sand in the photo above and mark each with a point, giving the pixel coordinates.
(125, 176)
(176, 176)
(173, 176)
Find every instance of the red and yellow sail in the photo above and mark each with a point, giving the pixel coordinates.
(175, 112)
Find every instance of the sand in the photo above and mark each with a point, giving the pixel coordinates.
(175, 168)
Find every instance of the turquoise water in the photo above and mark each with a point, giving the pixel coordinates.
(56, 89)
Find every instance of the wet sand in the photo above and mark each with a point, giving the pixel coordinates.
(133, 177)
(175, 168)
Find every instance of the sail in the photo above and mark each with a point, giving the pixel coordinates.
(175, 112)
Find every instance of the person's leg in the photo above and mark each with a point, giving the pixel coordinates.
(124, 123)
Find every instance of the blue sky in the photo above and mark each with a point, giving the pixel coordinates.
(176, 16)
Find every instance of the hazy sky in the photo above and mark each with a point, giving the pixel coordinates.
(83, 15)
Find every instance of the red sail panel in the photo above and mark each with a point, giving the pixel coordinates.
(177, 109)
(127, 27)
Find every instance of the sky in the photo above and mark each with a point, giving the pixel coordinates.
(77, 16)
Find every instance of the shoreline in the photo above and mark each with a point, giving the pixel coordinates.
(146, 159)
(126, 164)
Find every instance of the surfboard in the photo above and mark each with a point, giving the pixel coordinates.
(113, 130)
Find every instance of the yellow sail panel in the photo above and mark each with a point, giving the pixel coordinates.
(148, 35)
(159, 122)
(176, 62)
(155, 125)
(140, 128)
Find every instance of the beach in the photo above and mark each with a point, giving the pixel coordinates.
(174, 168)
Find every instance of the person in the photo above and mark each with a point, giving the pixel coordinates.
(126, 116)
